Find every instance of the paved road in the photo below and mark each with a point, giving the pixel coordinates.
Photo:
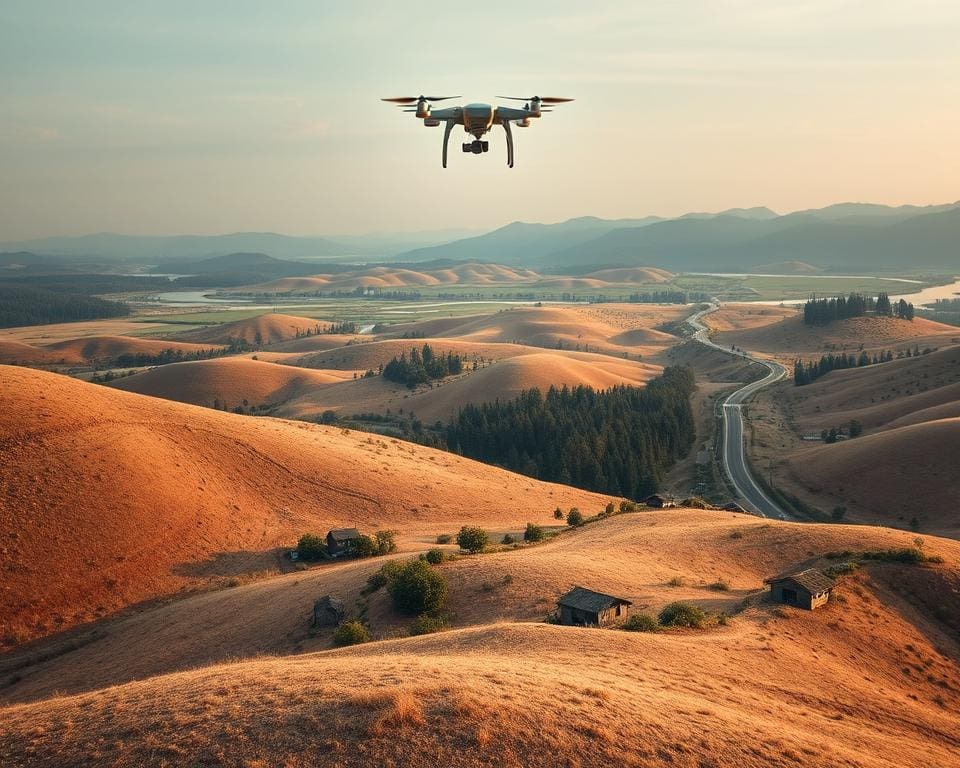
(752, 496)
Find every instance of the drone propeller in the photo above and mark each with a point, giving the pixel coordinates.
(543, 99)
(413, 99)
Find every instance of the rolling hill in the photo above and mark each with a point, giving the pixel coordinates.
(91, 349)
(268, 328)
(137, 497)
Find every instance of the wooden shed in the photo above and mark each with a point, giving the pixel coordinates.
(327, 612)
(805, 589)
(585, 608)
(340, 541)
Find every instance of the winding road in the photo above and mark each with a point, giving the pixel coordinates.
(752, 496)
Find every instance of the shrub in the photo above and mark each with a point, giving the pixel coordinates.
(627, 506)
(641, 622)
(902, 555)
(682, 615)
(444, 538)
(721, 585)
(426, 624)
(609, 509)
(507, 539)
(574, 517)
(417, 588)
(311, 547)
(558, 514)
(472, 539)
(435, 556)
(534, 533)
(351, 633)
(381, 543)
(383, 576)
(676, 581)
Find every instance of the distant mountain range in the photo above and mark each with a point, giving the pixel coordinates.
(845, 236)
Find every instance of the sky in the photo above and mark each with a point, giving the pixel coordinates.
(171, 117)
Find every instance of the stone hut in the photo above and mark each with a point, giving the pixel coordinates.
(327, 612)
(340, 541)
(585, 608)
(805, 589)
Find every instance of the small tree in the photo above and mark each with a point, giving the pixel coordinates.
(472, 539)
(311, 547)
(434, 556)
(418, 588)
(641, 622)
(351, 633)
(574, 517)
(558, 514)
(534, 533)
(507, 539)
(609, 509)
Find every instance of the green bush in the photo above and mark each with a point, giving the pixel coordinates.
(507, 539)
(534, 533)
(444, 538)
(351, 633)
(902, 555)
(627, 506)
(383, 577)
(427, 625)
(381, 543)
(435, 556)
(641, 622)
(417, 588)
(574, 517)
(311, 547)
(472, 539)
(682, 615)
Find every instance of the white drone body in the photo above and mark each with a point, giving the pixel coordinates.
(476, 119)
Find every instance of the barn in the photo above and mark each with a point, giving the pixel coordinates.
(340, 541)
(582, 607)
(805, 589)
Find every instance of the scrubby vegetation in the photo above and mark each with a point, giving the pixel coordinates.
(534, 533)
(381, 543)
(422, 366)
(641, 622)
(682, 615)
(472, 539)
(417, 588)
(426, 624)
(351, 633)
(312, 547)
(619, 441)
(166, 356)
(435, 556)
(575, 517)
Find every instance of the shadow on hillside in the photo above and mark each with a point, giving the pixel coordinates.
(236, 564)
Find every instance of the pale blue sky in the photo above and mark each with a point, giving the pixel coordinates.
(204, 117)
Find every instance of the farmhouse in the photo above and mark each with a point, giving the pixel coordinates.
(585, 608)
(659, 502)
(340, 540)
(805, 589)
(327, 612)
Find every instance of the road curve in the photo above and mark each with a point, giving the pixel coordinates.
(752, 496)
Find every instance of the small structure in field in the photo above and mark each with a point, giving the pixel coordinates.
(585, 608)
(659, 502)
(340, 541)
(327, 612)
(805, 589)
(732, 506)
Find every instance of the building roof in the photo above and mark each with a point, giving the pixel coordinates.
(344, 534)
(588, 600)
(811, 579)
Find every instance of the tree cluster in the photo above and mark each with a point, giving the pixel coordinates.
(807, 373)
(236, 346)
(825, 311)
(26, 305)
(422, 366)
(620, 441)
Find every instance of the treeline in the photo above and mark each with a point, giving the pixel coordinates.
(235, 346)
(422, 366)
(826, 311)
(347, 326)
(619, 441)
(26, 305)
(805, 373)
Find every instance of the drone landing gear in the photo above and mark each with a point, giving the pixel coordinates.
(476, 147)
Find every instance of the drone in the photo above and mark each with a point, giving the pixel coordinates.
(476, 119)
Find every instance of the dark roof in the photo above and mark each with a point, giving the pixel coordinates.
(330, 602)
(811, 579)
(588, 600)
(344, 534)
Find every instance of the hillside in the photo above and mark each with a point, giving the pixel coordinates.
(526, 693)
(521, 368)
(268, 328)
(889, 477)
(632, 275)
(91, 349)
(792, 338)
(139, 497)
(228, 382)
